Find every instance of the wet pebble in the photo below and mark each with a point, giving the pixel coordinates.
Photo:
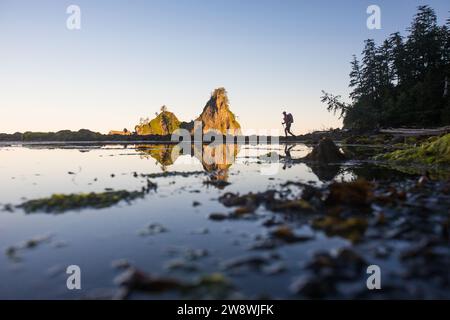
(153, 229)
(216, 216)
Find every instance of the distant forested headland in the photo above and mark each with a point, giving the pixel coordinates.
(403, 82)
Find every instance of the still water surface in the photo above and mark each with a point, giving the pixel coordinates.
(94, 238)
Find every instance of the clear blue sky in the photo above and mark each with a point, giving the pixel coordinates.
(131, 57)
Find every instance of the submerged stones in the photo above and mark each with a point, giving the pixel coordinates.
(327, 270)
(352, 228)
(354, 193)
(291, 219)
(208, 286)
(153, 229)
(13, 251)
(253, 261)
(271, 199)
(286, 234)
(218, 183)
(135, 279)
(216, 216)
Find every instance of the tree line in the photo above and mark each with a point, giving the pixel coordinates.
(403, 82)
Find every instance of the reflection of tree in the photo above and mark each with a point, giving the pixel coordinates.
(369, 172)
(374, 172)
(217, 159)
(165, 154)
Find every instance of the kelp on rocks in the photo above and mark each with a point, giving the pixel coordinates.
(60, 203)
(433, 152)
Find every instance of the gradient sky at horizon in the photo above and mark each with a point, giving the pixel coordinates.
(131, 57)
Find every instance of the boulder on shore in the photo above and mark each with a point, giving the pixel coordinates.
(325, 152)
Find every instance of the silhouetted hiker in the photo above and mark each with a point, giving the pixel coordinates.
(288, 120)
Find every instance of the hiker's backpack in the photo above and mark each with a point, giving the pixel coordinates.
(290, 118)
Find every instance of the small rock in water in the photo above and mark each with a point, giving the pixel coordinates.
(218, 216)
(153, 229)
(422, 181)
(311, 287)
(120, 264)
(134, 279)
(275, 268)
(180, 264)
(55, 271)
(271, 222)
(220, 184)
(255, 261)
(243, 210)
(195, 254)
(356, 193)
(286, 234)
(8, 208)
(201, 231)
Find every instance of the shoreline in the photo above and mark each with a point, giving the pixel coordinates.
(90, 137)
(132, 142)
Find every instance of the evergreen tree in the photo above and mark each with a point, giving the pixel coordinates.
(401, 82)
(398, 58)
(423, 42)
(355, 79)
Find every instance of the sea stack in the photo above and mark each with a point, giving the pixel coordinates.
(216, 115)
(165, 123)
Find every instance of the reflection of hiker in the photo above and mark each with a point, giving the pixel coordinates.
(288, 157)
(288, 120)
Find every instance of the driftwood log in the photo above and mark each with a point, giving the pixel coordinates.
(416, 132)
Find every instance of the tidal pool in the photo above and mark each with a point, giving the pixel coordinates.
(166, 233)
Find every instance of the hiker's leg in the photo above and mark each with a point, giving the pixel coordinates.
(289, 130)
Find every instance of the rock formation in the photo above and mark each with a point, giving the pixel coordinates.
(164, 124)
(216, 115)
(325, 152)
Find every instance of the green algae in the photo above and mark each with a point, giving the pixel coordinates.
(433, 152)
(60, 203)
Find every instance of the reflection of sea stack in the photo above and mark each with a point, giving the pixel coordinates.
(217, 159)
(216, 115)
(166, 154)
